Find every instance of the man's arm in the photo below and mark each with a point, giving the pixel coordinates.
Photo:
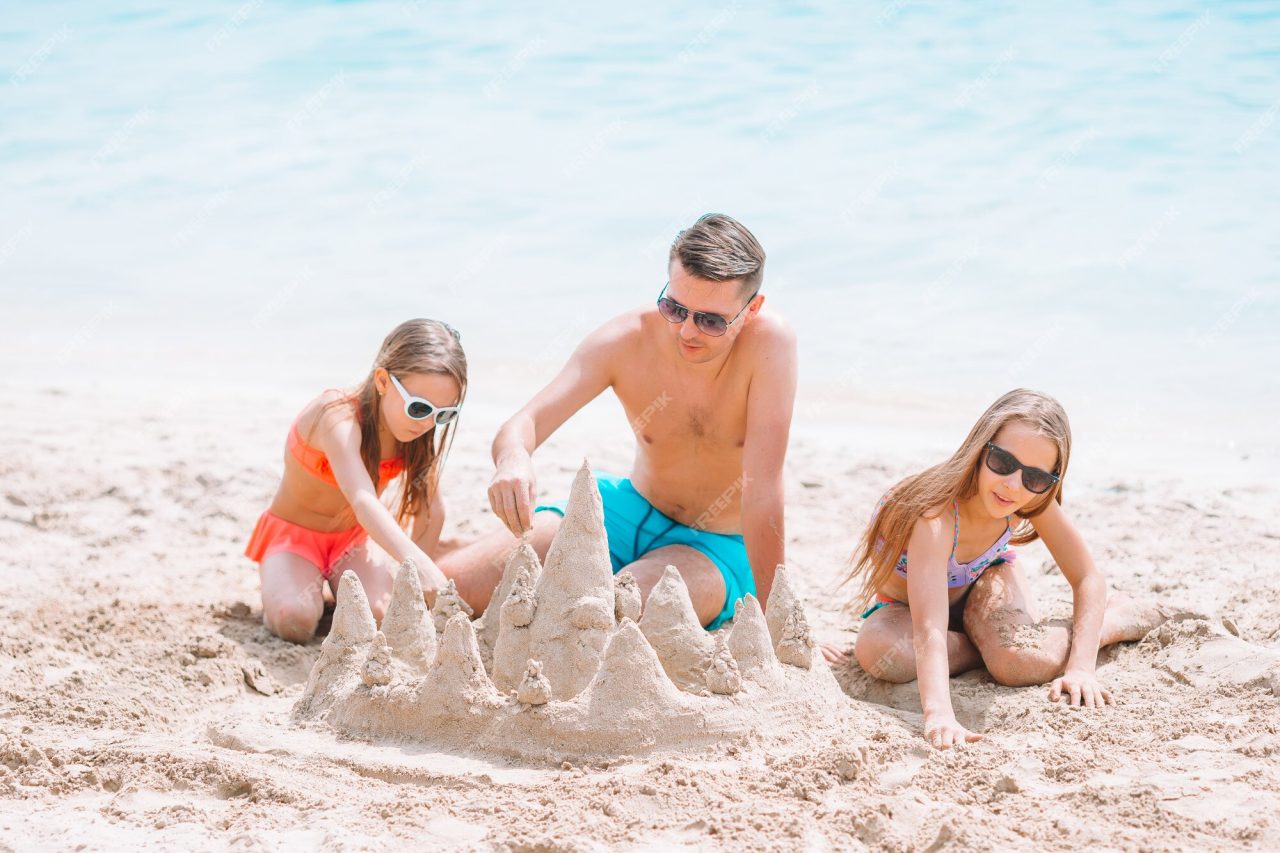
(770, 400)
(586, 374)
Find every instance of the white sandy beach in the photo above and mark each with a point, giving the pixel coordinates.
(212, 210)
(143, 703)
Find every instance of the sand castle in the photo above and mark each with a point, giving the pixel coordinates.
(563, 664)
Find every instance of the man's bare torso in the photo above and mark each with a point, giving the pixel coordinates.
(690, 423)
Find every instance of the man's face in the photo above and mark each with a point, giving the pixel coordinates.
(713, 297)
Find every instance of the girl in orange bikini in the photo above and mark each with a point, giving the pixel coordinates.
(946, 591)
(344, 448)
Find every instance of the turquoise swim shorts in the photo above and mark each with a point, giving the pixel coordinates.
(634, 528)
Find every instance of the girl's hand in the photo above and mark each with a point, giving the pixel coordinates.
(946, 732)
(430, 578)
(834, 655)
(1080, 689)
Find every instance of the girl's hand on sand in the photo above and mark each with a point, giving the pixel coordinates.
(430, 578)
(944, 733)
(1080, 689)
(511, 494)
(835, 655)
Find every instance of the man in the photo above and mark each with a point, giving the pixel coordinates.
(708, 380)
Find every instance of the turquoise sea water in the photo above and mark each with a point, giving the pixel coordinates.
(955, 198)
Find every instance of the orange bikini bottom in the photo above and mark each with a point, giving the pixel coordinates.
(273, 534)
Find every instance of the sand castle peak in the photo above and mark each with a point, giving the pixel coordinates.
(407, 626)
(534, 688)
(796, 645)
(722, 675)
(749, 641)
(376, 671)
(626, 597)
(575, 598)
(522, 561)
(672, 627)
(782, 598)
(448, 604)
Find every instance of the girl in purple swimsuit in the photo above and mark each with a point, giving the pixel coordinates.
(945, 589)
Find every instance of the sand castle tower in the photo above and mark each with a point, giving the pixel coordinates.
(344, 651)
(750, 644)
(574, 596)
(782, 600)
(407, 626)
(671, 626)
(522, 561)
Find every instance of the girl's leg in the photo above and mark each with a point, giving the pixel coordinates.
(292, 596)
(377, 573)
(1017, 648)
(1001, 619)
(885, 650)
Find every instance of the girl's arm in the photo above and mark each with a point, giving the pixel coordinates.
(339, 438)
(427, 526)
(1089, 603)
(927, 553)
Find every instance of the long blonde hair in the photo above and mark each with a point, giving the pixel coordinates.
(919, 495)
(415, 346)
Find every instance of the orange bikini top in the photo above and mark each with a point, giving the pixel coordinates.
(317, 464)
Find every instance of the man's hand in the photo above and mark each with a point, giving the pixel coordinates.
(511, 493)
(1080, 689)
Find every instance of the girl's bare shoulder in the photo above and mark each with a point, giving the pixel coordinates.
(935, 525)
(320, 419)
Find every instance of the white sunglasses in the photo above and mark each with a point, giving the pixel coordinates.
(420, 408)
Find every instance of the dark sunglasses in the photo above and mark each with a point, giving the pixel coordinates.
(1004, 463)
(709, 324)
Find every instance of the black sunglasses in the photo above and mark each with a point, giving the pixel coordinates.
(709, 324)
(1004, 463)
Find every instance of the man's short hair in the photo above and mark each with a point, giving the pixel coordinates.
(720, 248)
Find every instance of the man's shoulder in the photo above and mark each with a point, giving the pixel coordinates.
(622, 330)
(771, 336)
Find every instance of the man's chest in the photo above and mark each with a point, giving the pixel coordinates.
(664, 407)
